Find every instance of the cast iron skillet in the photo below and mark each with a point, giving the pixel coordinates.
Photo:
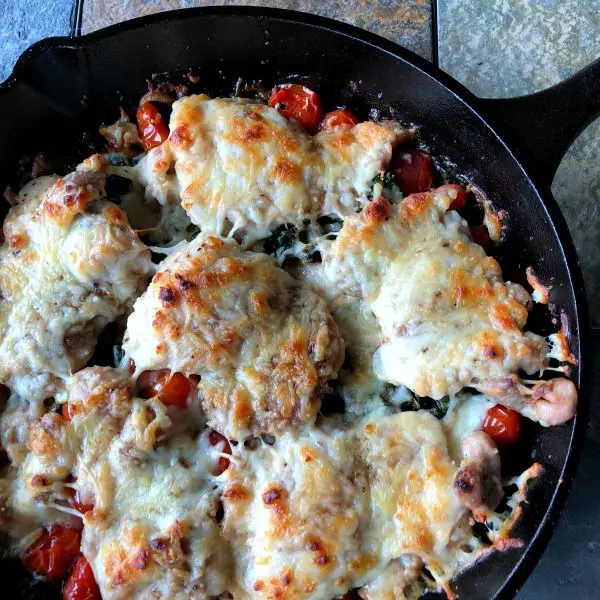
(61, 87)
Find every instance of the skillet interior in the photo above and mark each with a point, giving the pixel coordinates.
(64, 87)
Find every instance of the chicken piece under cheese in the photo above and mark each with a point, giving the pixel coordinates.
(262, 343)
(447, 318)
(147, 483)
(317, 514)
(240, 166)
(70, 265)
(414, 510)
(294, 514)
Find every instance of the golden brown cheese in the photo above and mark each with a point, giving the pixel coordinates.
(262, 343)
(152, 531)
(447, 318)
(317, 514)
(70, 265)
(413, 506)
(240, 166)
(294, 515)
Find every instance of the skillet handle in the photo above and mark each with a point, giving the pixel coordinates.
(541, 127)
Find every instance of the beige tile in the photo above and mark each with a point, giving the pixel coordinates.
(407, 22)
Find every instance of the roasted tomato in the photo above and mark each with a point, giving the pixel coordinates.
(153, 131)
(214, 439)
(81, 584)
(53, 553)
(298, 103)
(341, 117)
(171, 389)
(502, 424)
(461, 195)
(76, 502)
(480, 235)
(68, 410)
(412, 169)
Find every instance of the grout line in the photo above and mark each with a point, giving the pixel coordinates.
(76, 17)
(435, 54)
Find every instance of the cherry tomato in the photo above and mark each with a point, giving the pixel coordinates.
(53, 553)
(214, 439)
(153, 131)
(480, 235)
(171, 389)
(502, 424)
(298, 103)
(81, 584)
(413, 170)
(68, 410)
(461, 195)
(76, 502)
(341, 117)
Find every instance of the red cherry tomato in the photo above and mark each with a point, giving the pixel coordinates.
(461, 195)
(171, 389)
(502, 424)
(480, 235)
(75, 501)
(81, 584)
(413, 170)
(298, 103)
(214, 439)
(341, 117)
(153, 131)
(53, 553)
(68, 410)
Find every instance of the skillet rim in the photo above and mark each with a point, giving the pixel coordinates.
(547, 524)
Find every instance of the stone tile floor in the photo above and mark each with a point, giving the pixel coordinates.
(497, 48)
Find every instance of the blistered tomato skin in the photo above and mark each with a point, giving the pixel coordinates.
(298, 103)
(77, 504)
(461, 195)
(171, 389)
(413, 170)
(503, 425)
(152, 129)
(214, 439)
(341, 117)
(53, 553)
(81, 584)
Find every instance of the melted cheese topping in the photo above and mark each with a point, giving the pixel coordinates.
(262, 343)
(322, 504)
(411, 475)
(294, 515)
(242, 166)
(447, 319)
(148, 475)
(70, 265)
(315, 515)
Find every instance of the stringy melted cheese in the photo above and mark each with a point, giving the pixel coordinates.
(242, 166)
(262, 343)
(70, 265)
(147, 473)
(447, 319)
